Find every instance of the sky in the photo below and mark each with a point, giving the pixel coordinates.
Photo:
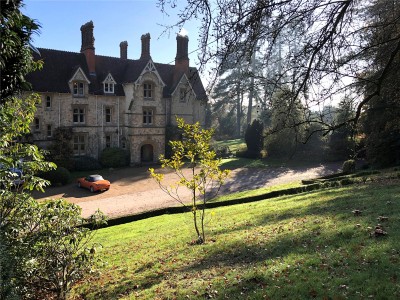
(114, 21)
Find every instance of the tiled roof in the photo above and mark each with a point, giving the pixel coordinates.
(60, 66)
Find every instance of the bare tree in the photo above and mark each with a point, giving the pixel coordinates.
(326, 64)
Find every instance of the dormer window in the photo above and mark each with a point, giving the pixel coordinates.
(109, 87)
(147, 90)
(109, 84)
(79, 84)
(78, 88)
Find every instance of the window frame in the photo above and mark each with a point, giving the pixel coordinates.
(79, 144)
(78, 88)
(108, 116)
(108, 140)
(36, 124)
(148, 116)
(109, 89)
(48, 102)
(148, 90)
(49, 130)
(81, 113)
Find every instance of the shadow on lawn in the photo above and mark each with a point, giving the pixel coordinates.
(254, 178)
(325, 255)
(126, 285)
(337, 204)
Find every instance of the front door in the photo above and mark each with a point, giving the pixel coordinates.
(146, 153)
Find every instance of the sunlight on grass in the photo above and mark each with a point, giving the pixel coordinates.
(234, 145)
(256, 192)
(295, 247)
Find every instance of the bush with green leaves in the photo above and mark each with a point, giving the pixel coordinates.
(349, 166)
(51, 249)
(62, 250)
(59, 176)
(114, 158)
(43, 250)
(85, 163)
(254, 136)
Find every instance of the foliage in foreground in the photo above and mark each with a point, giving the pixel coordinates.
(205, 179)
(60, 248)
(42, 250)
(308, 246)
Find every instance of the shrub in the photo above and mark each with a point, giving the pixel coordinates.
(86, 163)
(252, 154)
(254, 136)
(223, 152)
(114, 158)
(349, 166)
(65, 163)
(346, 181)
(61, 249)
(58, 176)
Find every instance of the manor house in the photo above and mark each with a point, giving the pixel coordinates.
(115, 101)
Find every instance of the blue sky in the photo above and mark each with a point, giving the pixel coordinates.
(114, 21)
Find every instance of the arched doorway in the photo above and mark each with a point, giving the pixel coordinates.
(146, 153)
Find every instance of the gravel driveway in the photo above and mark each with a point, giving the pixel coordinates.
(133, 191)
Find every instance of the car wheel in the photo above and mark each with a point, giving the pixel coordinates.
(92, 189)
(79, 184)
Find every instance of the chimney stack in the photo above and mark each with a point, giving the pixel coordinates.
(87, 47)
(145, 47)
(124, 49)
(182, 57)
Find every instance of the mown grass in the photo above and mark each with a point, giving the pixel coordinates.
(294, 247)
(233, 145)
(256, 192)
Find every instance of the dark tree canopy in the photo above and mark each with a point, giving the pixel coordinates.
(16, 60)
(324, 47)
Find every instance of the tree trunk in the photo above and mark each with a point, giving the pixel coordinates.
(238, 109)
(251, 95)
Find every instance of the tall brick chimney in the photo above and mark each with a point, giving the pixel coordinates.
(124, 49)
(145, 46)
(87, 47)
(182, 57)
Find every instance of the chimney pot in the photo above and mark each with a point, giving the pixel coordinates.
(87, 36)
(124, 49)
(182, 42)
(87, 46)
(182, 57)
(145, 46)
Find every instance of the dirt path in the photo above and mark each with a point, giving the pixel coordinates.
(133, 191)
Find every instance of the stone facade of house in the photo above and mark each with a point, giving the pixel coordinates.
(115, 102)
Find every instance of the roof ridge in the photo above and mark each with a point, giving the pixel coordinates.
(66, 51)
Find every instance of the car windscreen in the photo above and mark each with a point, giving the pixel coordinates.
(95, 178)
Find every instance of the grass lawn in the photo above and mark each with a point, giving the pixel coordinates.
(256, 192)
(296, 247)
(234, 145)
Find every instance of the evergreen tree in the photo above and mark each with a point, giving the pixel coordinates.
(254, 138)
(238, 84)
(288, 127)
(381, 118)
(341, 141)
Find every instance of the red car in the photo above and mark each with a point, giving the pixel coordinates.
(94, 183)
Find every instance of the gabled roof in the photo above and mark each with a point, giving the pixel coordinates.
(150, 67)
(183, 80)
(79, 73)
(60, 66)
